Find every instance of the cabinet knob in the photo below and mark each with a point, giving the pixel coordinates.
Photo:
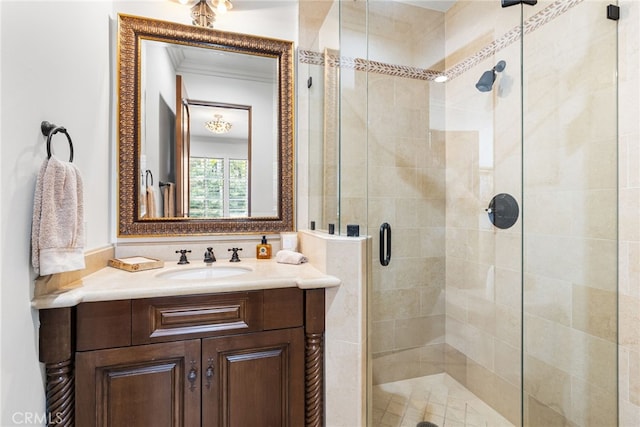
(209, 373)
(192, 376)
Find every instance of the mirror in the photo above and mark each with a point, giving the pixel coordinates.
(176, 177)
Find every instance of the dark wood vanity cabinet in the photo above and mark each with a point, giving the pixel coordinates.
(260, 379)
(144, 385)
(233, 359)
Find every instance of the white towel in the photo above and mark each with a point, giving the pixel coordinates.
(151, 202)
(142, 201)
(285, 256)
(169, 198)
(57, 230)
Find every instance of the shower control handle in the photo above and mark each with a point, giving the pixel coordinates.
(503, 211)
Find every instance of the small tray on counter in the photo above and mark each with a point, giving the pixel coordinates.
(136, 263)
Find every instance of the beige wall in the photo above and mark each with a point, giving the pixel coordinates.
(629, 216)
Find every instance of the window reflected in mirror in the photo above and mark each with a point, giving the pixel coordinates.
(219, 151)
(219, 187)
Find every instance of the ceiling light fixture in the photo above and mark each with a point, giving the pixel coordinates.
(203, 15)
(218, 125)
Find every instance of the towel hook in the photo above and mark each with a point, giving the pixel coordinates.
(48, 130)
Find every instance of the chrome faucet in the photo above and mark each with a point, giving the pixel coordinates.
(209, 257)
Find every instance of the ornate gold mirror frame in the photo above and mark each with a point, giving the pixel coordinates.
(131, 32)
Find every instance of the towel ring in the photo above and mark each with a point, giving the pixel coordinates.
(148, 174)
(48, 130)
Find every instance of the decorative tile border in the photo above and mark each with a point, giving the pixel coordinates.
(310, 57)
(549, 13)
(536, 21)
(359, 64)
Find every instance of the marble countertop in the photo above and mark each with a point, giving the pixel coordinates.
(114, 284)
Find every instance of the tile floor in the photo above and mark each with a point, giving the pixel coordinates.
(438, 399)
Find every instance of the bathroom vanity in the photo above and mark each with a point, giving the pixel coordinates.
(154, 348)
(191, 345)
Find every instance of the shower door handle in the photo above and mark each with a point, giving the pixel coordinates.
(385, 249)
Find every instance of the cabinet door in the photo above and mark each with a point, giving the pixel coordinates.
(148, 385)
(254, 379)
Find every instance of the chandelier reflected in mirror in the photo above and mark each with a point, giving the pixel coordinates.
(218, 124)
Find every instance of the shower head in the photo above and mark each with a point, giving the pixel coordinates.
(486, 81)
(488, 77)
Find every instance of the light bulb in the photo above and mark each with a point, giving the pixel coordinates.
(221, 6)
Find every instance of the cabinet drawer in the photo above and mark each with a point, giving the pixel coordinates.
(195, 316)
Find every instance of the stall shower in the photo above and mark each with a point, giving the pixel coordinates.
(442, 110)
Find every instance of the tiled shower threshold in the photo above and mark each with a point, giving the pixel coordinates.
(438, 399)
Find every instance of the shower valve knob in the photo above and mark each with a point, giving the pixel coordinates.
(503, 211)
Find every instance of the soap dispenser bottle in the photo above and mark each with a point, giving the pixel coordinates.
(263, 250)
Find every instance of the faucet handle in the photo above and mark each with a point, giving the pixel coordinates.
(209, 256)
(183, 256)
(234, 255)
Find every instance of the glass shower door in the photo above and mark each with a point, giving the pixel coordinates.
(570, 215)
(524, 317)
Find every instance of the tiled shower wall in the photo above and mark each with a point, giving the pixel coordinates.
(570, 241)
(483, 328)
(395, 174)
(629, 219)
(406, 190)
(569, 204)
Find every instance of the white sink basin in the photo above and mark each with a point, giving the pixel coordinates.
(198, 273)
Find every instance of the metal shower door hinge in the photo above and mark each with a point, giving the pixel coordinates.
(507, 3)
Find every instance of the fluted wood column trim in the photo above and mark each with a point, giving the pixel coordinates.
(55, 351)
(314, 357)
(60, 394)
(314, 387)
